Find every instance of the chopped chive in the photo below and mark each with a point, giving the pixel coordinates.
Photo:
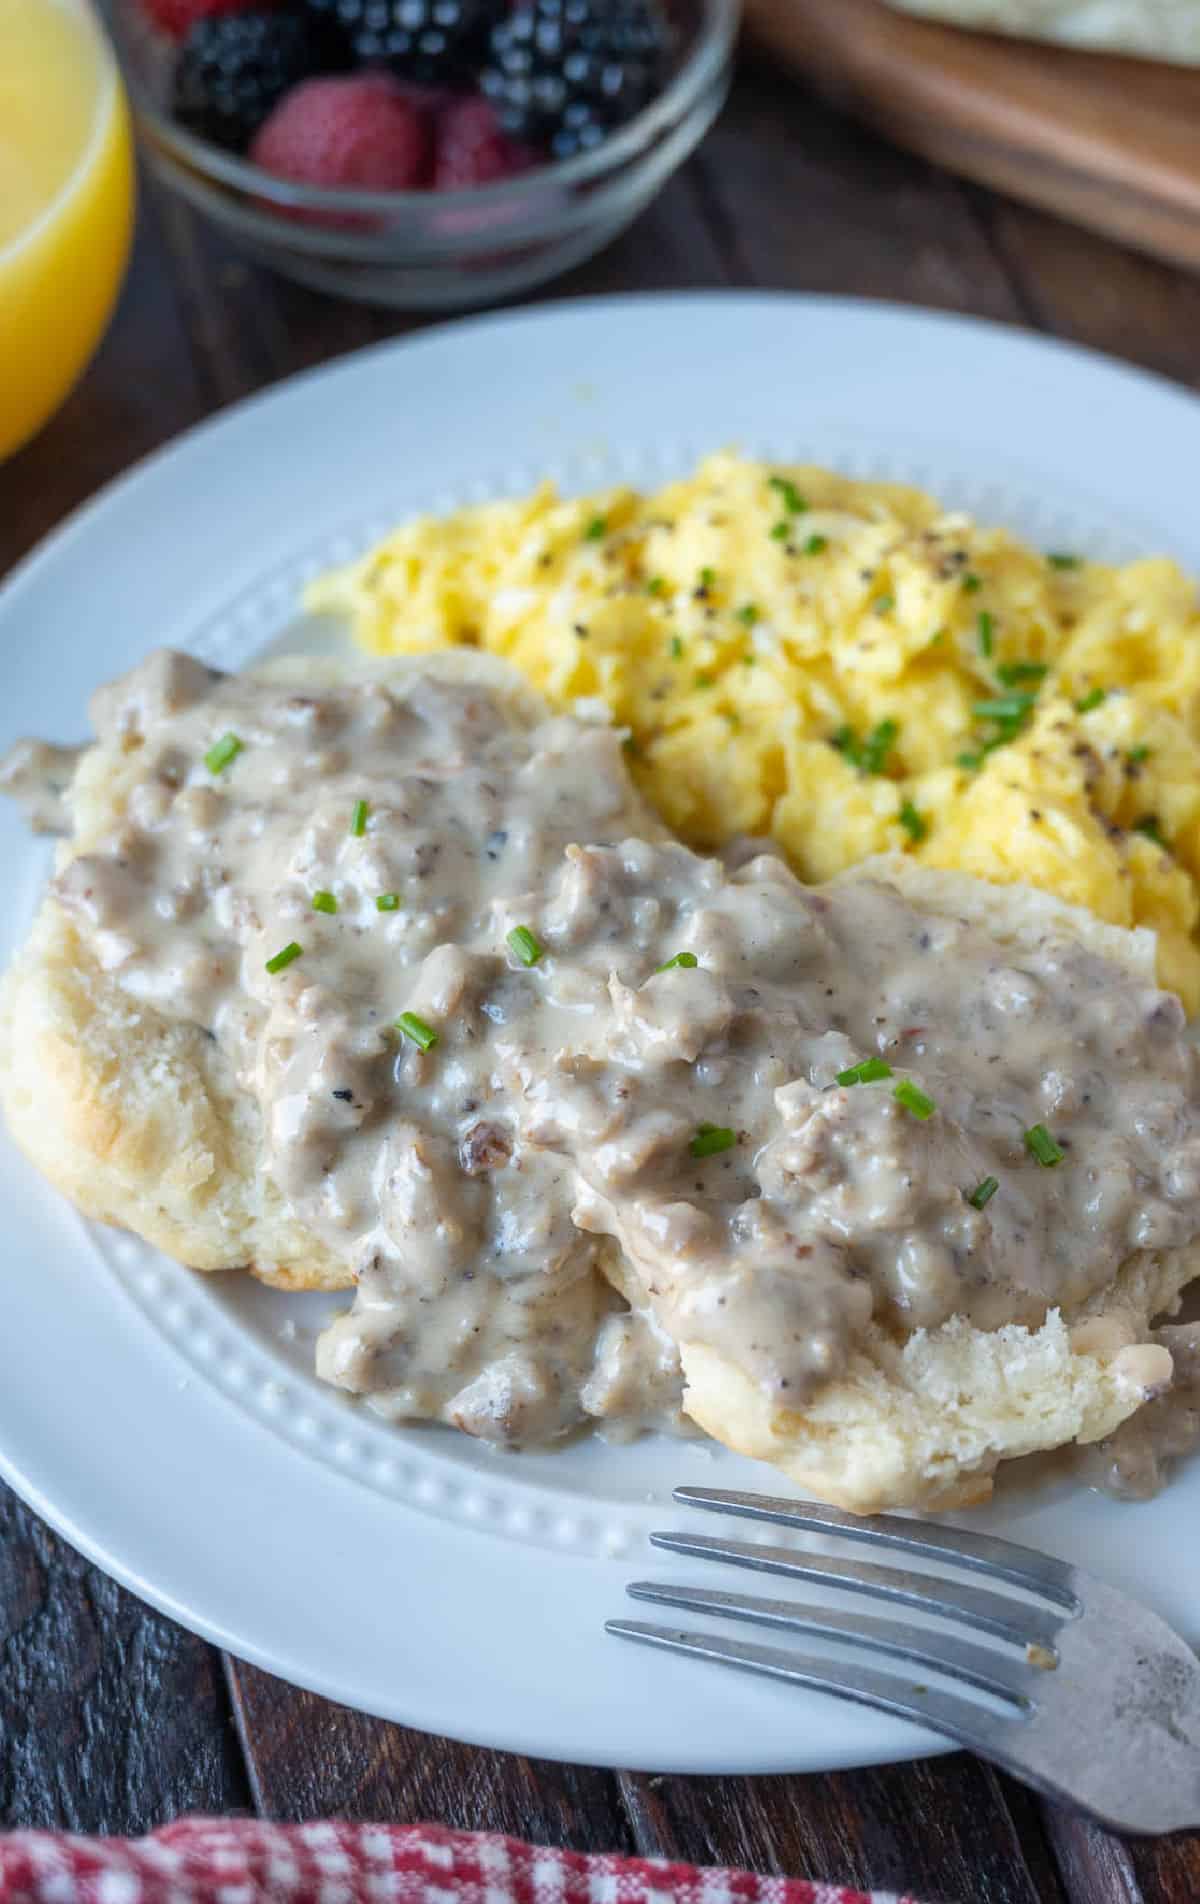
(676, 648)
(793, 501)
(912, 823)
(524, 947)
(914, 1099)
(222, 752)
(1040, 1144)
(656, 585)
(866, 1071)
(710, 1139)
(781, 532)
(748, 614)
(877, 746)
(1091, 700)
(983, 1192)
(707, 577)
(937, 640)
(1012, 673)
(358, 819)
(596, 530)
(324, 902)
(422, 1035)
(884, 604)
(986, 626)
(1058, 559)
(1008, 707)
(703, 679)
(283, 959)
(816, 545)
(844, 741)
(1138, 754)
(1149, 827)
(387, 902)
(749, 660)
(686, 960)
(971, 584)
(971, 762)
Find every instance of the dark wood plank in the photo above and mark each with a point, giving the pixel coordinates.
(1098, 1868)
(113, 1718)
(308, 1758)
(807, 200)
(943, 1828)
(1077, 286)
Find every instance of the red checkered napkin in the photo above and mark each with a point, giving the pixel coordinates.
(240, 1861)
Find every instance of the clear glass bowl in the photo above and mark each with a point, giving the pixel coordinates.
(435, 250)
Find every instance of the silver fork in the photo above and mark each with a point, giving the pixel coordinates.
(1095, 1700)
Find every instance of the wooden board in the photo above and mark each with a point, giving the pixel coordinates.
(1109, 142)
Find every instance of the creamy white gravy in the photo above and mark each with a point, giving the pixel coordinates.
(589, 1100)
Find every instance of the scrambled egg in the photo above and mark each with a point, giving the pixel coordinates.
(846, 667)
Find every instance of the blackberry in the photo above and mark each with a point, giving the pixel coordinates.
(234, 69)
(564, 74)
(438, 43)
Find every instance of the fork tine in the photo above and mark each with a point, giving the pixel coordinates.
(984, 1553)
(996, 1673)
(1012, 1620)
(971, 1725)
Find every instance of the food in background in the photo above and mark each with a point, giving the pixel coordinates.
(483, 90)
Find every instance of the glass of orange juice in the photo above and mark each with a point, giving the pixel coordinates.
(66, 203)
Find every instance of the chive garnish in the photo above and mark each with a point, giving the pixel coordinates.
(816, 545)
(711, 1139)
(222, 752)
(866, 1071)
(884, 604)
(971, 584)
(1012, 673)
(283, 959)
(596, 530)
(1138, 754)
(1058, 559)
(358, 819)
(524, 947)
(676, 648)
(656, 585)
(748, 614)
(422, 1035)
(983, 1192)
(324, 902)
(914, 1099)
(871, 754)
(687, 960)
(877, 746)
(707, 577)
(1007, 707)
(971, 762)
(793, 501)
(912, 823)
(781, 532)
(1091, 700)
(1149, 827)
(1040, 1144)
(986, 626)
(702, 679)
(388, 902)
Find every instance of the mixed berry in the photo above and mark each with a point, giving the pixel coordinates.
(406, 94)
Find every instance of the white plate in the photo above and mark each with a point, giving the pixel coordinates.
(169, 1425)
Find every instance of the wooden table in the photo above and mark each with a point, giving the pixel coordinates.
(113, 1719)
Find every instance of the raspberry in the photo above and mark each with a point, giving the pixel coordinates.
(358, 131)
(472, 149)
(177, 17)
(234, 68)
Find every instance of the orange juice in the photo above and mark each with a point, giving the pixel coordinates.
(66, 203)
